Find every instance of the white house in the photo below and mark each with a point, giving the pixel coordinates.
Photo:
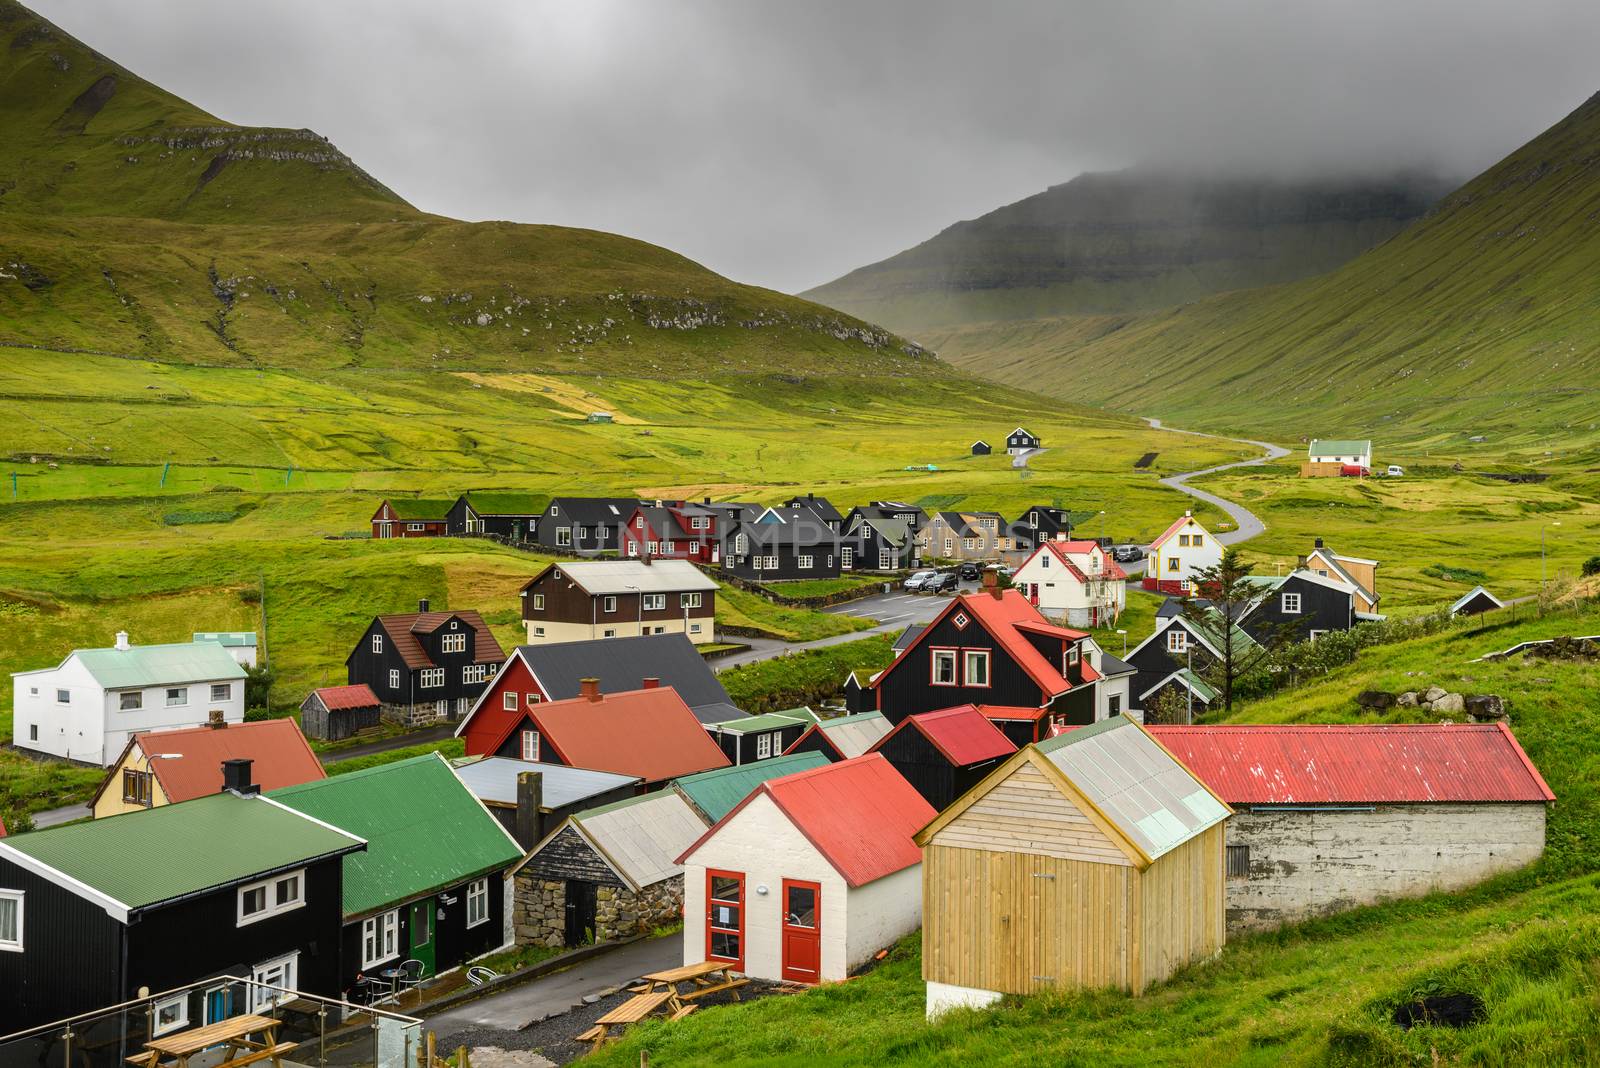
(1184, 550)
(241, 644)
(809, 876)
(87, 707)
(1335, 451)
(1074, 582)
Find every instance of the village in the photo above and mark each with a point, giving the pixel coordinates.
(1049, 809)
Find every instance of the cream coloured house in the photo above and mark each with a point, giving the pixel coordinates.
(1182, 551)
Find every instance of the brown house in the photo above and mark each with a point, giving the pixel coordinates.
(411, 519)
(581, 600)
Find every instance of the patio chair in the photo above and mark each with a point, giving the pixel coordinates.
(479, 975)
(408, 977)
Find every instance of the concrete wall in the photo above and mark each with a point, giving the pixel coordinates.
(881, 913)
(1311, 863)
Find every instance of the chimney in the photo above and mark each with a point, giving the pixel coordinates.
(422, 605)
(236, 777)
(651, 683)
(215, 720)
(589, 689)
(1319, 543)
(991, 582)
(122, 640)
(530, 799)
(644, 558)
(1187, 514)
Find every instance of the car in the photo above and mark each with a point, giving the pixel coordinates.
(1000, 569)
(945, 583)
(1127, 554)
(916, 581)
(969, 571)
(1395, 471)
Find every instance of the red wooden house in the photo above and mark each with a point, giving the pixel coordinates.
(673, 530)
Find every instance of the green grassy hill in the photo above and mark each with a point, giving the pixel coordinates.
(1126, 242)
(1481, 319)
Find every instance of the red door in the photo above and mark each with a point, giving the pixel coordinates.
(1033, 594)
(725, 917)
(802, 932)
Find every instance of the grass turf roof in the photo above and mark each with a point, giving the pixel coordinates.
(419, 508)
(508, 503)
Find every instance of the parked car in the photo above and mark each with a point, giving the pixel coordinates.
(1395, 471)
(1001, 569)
(945, 583)
(918, 580)
(1127, 554)
(969, 571)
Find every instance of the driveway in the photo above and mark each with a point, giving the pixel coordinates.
(1246, 524)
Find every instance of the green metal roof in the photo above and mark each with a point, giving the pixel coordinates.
(159, 665)
(1337, 447)
(227, 638)
(424, 830)
(770, 722)
(1210, 630)
(420, 508)
(716, 792)
(146, 857)
(1199, 685)
(507, 503)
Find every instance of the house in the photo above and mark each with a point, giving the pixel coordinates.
(1116, 680)
(809, 876)
(674, 530)
(539, 673)
(915, 517)
(908, 636)
(977, 536)
(820, 507)
(981, 448)
(779, 544)
(1330, 457)
(752, 738)
(858, 692)
(1474, 602)
(944, 754)
(530, 798)
(715, 793)
(619, 598)
(1090, 860)
(1358, 573)
(333, 713)
(241, 644)
(873, 543)
(1176, 655)
(87, 707)
(1301, 606)
(648, 733)
(843, 737)
(425, 665)
(1039, 524)
(1332, 816)
(993, 649)
(1177, 557)
(1073, 582)
(583, 526)
(411, 518)
(431, 885)
(600, 417)
(94, 913)
(500, 514)
(168, 767)
(606, 873)
(1020, 441)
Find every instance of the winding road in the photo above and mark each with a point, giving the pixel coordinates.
(1246, 524)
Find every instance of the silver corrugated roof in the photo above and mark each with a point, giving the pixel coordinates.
(629, 576)
(854, 735)
(644, 836)
(494, 779)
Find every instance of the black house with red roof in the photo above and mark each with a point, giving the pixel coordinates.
(944, 754)
(426, 665)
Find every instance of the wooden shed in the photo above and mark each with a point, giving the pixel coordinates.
(1093, 859)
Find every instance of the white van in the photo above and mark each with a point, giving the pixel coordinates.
(1395, 470)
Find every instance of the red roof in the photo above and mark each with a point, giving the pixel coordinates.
(1011, 712)
(2, 828)
(336, 698)
(1173, 529)
(1292, 764)
(963, 734)
(649, 733)
(859, 814)
(277, 751)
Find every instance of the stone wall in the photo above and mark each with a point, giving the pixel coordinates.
(540, 913)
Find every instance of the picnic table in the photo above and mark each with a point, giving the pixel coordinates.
(707, 977)
(631, 1011)
(234, 1033)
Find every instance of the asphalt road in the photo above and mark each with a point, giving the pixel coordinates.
(893, 611)
(1246, 524)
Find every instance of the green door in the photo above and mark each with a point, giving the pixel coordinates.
(422, 935)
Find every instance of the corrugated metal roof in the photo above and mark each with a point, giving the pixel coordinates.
(233, 639)
(1136, 784)
(717, 792)
(648, 733)
(424, 830)
(643, 836)
(1338, 447)
(495, 779)
(854, 735)
(335, 698)
(625, 576)
(1368, 763)
(277, 751)
(159, 665)
(963, 734)
(770, 722)
(145, 857)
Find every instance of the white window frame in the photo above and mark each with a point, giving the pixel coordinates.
(380, 933)
(14, 945)
(970, 657)
(1177, 640)
(222, 691)
(157, 1027)
(431, 678)
(478, 897)
(271, 905)
(394, 678)
(771, 562)
(655, 602)
(694, 628)
(183, 696)
(689, 600)
(1287, 600)
(138, 701)
(453, 643)
(523, 739)
(288, 967)
(806, 562)
(608, 604)
(847, 554)
(763, 745)
(508, 701)
(1316, 634)
(63, 697)
(564, 537)
(1073, 656)
(377, 643)
(955, 667)
(538, 602)
(885, 560)
(700, 522)
(414, 526)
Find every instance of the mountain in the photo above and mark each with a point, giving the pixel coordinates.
(1483, 318)
(1129, 241)
(133, 223)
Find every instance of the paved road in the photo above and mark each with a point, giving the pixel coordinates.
(536, 999)
(1246, 524)
(55, 817)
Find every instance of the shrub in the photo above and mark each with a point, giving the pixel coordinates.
(1454, 574)
(257, 686)
(187, 516)
(1591, 566)
(250, 595)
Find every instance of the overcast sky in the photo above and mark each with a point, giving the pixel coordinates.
(784, 143)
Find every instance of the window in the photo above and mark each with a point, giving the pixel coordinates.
(538, 602)
(1238, 861)
(885, 560)
(654, 548)
(805, 563)
(564, 536)
(222, 691)
(944, 667)
(1173, 564)
(694, 628)
(1177, 641)
(11, 921)
(947, 546)
(534, 699)
(967, 543)
(689, 600)
(136, 788)
(377, 643)
(1195, 541)
(1114, 704)
(394, 678)
(472, 673)
(269, 897)
(610, 632)
(170, 1014)
(763, 746)
(508, 701)
(538, 632)
(380, 938)
(1183, 541)
(976, 668)
(960, 620)
(1072, 656)
(1291, 604)
(700, 522)
(530, 745)
(63, 697)
(847, 554)
(1316, 634)
(280, 972)
(633, 548)
(655, 602)
(608, 604)
(453, 643)
(1044, 560)
(178, 695)
(478, 902)
(131, 701)
(441, 708)
(740, 544)
(431, 678)
(33, 732)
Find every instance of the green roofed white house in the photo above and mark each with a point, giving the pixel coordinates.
(241, 644)
(228, 884)
(431, 885)
(753, 738)
(87, 707)
(714, 793)
(1339, 451)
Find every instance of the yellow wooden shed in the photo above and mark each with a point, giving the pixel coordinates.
(1093, 859)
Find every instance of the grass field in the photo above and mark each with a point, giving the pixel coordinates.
(1316, 993)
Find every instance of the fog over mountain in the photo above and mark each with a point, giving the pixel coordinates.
(785, 144)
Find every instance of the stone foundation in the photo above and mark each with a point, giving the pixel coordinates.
(540, 912)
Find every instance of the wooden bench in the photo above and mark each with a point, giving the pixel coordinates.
(685, 1010)
(595, 1034)
(726, 984)
(150, 1058)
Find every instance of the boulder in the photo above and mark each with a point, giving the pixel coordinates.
(1432, 694)
(1450, 702)
(1486, 707)
(1374, 699)
(1406, 700)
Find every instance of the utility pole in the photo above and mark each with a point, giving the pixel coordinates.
(1542, 529)
(1188, 652)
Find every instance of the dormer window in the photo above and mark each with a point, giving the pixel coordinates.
(1072, 656)
(1177, 641)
